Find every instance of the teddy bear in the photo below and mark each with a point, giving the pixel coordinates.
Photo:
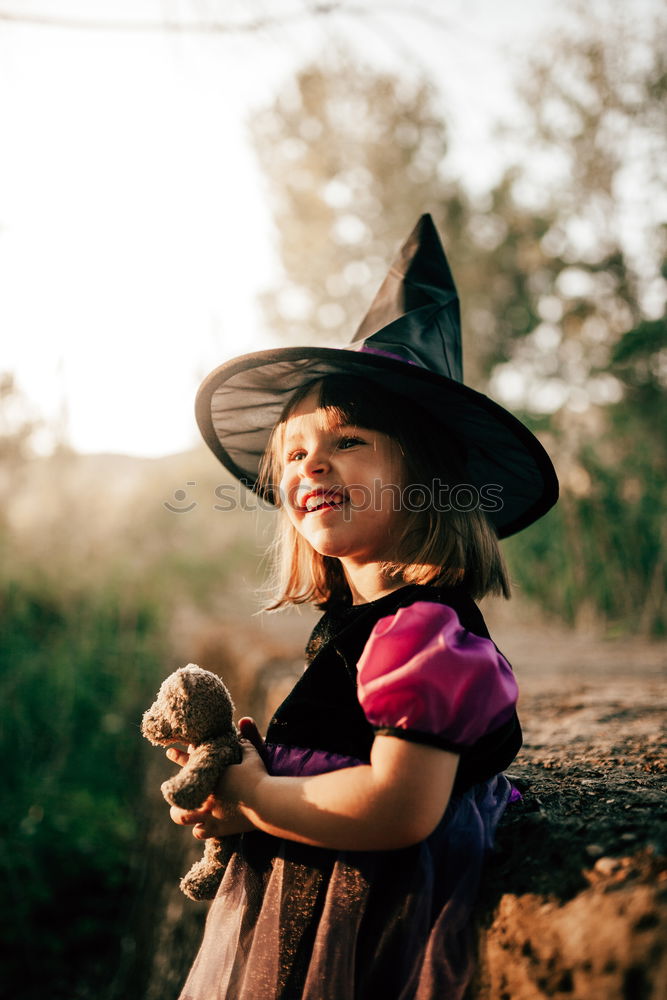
(194, 707)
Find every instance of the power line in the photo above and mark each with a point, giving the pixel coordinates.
(168, 26)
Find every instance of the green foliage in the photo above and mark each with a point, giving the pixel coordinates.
(604, 547)
(77, 672)
(620, 574)
(96, 578)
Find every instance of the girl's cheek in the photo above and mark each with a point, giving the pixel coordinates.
(293, 521)
(283, 492)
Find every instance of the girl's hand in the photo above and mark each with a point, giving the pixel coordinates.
(213, 819)
(239, 780)
(179, 757)
(219, 816)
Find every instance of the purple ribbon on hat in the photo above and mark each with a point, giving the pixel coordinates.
(388, 354)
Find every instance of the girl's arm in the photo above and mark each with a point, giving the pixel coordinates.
(395, 801)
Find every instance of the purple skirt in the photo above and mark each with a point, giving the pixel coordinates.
(294, 922)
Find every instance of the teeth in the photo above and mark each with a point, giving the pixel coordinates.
(317, 501)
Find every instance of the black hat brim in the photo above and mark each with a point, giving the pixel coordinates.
(239, 403)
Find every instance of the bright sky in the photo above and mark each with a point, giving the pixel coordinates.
(134, 229)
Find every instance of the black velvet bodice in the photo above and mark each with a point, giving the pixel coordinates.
(323, 712)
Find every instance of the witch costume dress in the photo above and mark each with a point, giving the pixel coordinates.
(295, 922)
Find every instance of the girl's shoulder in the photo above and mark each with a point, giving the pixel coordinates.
(422, 670)
(348, 627)
(456, 598)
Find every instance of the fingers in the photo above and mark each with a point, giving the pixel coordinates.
(199, 821)
(187, 817)
(203, 824)
(250, 732)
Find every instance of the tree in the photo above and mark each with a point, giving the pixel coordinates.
(596, 117)
(18, 425)
(351, 156)
(595, 125)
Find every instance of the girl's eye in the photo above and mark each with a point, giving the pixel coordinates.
(342, 444)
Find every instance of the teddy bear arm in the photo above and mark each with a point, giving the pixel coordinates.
(208, 762)
(200, 776)
(226, 749)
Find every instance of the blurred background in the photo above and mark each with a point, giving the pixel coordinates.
(187, 180)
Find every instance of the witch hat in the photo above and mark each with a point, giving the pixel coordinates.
(410, 342)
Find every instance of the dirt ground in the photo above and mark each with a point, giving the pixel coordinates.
(575, 899)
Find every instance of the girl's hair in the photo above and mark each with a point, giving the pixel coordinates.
(436, 546)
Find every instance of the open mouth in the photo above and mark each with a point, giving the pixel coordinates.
(330, 500)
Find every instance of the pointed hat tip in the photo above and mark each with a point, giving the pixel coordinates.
(423, 257)
(418, 276)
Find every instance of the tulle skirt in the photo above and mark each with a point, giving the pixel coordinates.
(293, 922)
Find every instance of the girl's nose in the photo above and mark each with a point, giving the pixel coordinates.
(315, 464)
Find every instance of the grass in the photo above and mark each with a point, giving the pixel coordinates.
(88, 592)
(76, 673)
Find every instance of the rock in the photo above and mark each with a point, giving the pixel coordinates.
(574, 902)
(598, 946)
(607, 866)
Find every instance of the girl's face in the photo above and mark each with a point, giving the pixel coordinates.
(341, 485)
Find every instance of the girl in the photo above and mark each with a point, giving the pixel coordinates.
(366, 814)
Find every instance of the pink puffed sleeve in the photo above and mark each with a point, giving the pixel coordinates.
(421, 671)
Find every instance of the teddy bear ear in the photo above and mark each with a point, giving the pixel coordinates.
(189, 677)
(189, 674)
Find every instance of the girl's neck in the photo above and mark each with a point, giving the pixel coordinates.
(367, 582)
